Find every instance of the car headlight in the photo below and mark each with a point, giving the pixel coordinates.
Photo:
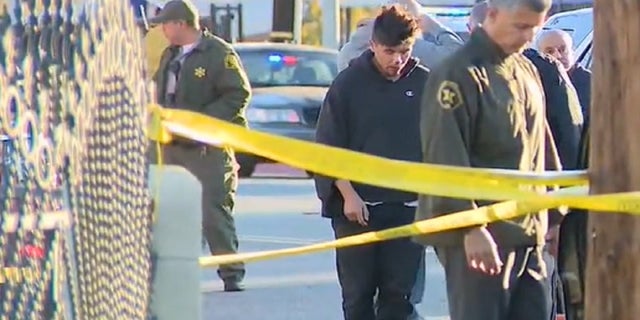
(260, 115)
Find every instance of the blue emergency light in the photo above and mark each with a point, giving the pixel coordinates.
(287, 60)
(274, 58)
(453, 14)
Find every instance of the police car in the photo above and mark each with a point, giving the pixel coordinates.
(579, 24)
(288, 83)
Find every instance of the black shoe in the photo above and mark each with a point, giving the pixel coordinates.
(233, 286)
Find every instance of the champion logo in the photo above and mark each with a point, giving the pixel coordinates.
(408, 93)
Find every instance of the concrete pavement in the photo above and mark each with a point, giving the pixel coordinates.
(282, 213)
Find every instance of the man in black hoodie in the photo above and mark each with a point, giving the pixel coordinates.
(373, 107)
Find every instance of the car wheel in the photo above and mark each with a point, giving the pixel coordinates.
(247, 166)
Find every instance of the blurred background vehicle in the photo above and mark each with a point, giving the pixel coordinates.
(288, 84)
(455, 18)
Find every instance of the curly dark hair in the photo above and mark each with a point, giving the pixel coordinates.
(394, 26)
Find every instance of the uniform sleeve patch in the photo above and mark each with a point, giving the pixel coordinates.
(231, 62)
(449, 95)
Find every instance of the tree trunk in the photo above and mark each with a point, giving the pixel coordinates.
(613, 267)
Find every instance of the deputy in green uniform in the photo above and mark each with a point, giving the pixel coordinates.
(201, 72)
(484, 107)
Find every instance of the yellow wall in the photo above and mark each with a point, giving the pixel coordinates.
(155, 43)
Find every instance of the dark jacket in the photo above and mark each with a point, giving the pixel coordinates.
(212, 80)
(564, 112)
(482, 108)
(365, 112)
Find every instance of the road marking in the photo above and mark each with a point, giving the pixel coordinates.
(308, 279)
(280, 281)
(247, 205)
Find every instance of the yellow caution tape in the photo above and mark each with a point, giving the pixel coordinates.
(487, 214)
(343, 163)
(156, 131)
(510, 186)
(499, 211)
(446, 181)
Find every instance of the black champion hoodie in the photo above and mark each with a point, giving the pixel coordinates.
(365, 112)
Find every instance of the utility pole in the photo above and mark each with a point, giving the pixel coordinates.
(613, 267)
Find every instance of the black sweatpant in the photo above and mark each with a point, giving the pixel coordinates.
(388, 268)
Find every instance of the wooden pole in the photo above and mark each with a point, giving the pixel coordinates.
(613, 263)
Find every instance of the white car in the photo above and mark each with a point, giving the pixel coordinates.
(454, 18)
(579, 24)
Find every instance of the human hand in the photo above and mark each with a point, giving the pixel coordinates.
(482, 251)
(552, 238)
(412, 6)
(356, 210)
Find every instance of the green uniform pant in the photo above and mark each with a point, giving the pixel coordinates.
(522, 291)
(213, 167)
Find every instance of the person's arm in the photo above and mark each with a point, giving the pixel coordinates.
(332, 130)
(431, 51)
(449, 108)
(232, 85)
(432, 54)
(357, 44)
(430, 26)
(442, 35)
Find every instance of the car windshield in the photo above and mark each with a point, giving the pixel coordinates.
(453, 18)
(289, 67)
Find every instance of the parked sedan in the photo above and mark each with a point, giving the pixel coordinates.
(288, 83)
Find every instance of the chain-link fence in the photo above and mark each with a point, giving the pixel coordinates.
(74, 201)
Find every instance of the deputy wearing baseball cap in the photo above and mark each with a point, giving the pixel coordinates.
(202, 73)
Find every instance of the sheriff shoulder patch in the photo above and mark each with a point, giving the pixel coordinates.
(231, 62)
(449, 95)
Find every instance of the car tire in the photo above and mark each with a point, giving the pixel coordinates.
(247, 166)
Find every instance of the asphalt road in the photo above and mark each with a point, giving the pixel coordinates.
(282, 213)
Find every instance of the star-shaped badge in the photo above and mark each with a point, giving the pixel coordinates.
(449, 95)
(200, 72)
